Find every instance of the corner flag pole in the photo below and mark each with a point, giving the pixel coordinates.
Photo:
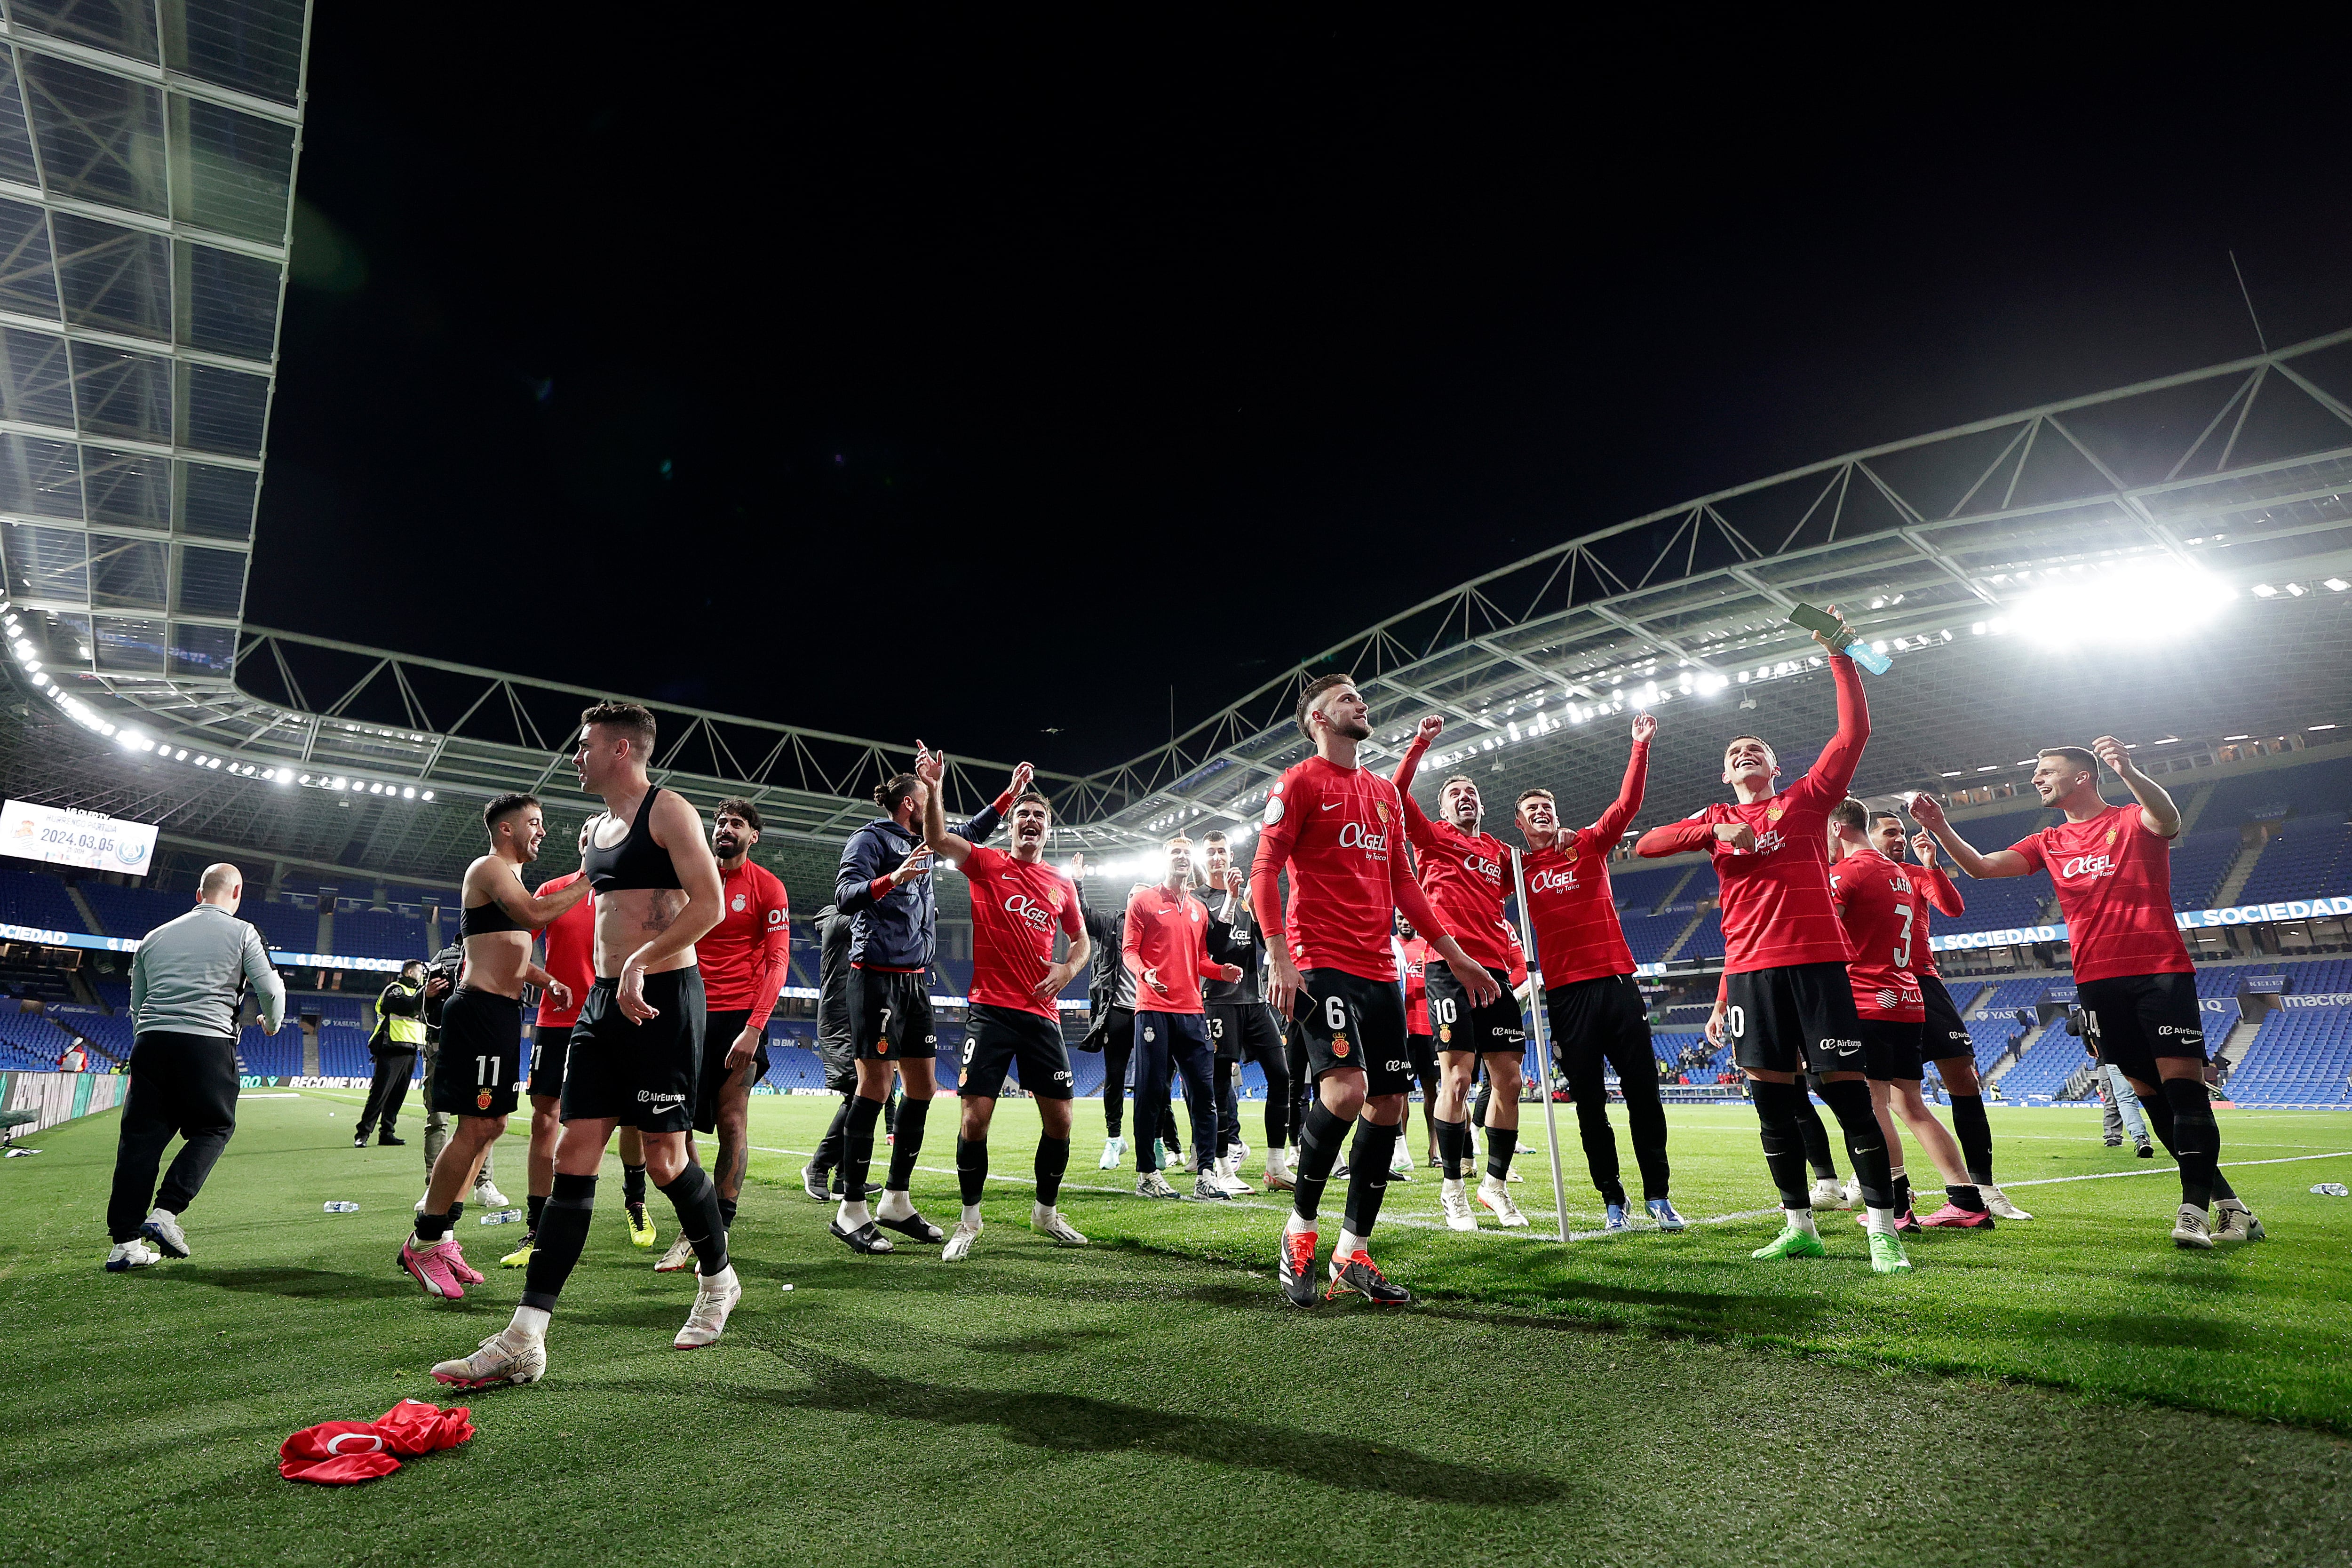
(1543, 1044)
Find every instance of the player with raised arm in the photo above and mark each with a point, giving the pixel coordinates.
(1874, 900)
(481, 1028)
(2113, 870)
(637, 1048)
(1333, 824)
(1787, 1001)
(1460, 868)
(883, 886)
(1947, 1041)
(1241, 1026)
(1165, 947)
(1018, 902)
(1591, 1000)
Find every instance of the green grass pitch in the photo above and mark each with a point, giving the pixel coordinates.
(2071, 1389)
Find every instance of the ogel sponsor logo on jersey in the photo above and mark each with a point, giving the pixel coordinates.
(1551, 880)
(2087, 866)
(1022, 907)
(1375, 845)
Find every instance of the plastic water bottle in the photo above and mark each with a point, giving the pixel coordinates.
(2333, 1190)
(340, 1207)
(1869, 657)
(502, 1217)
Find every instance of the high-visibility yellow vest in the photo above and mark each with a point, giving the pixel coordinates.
(400, 1030)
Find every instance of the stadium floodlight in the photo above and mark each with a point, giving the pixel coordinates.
(2142, 602)
(2264, 590)
(2237, 737)
(2336, 585)
(2319, 726)
(2294, 590)
(408, 794)
(428, 796)
(1954, 774)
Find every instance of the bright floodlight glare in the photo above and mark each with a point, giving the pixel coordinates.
(2335, 584)
(2139, 603)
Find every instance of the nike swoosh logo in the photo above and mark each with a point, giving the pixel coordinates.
(1330, 806)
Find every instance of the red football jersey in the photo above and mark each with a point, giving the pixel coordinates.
(1416, 985)
(2115, 888)
(1874, 899)
(1463, 874)
(1776, 897)
(1931, 887)
(745, 956)
(1337, 830)
(1577, 933)
(1168, 935)
(571, 953)
(1015, 907)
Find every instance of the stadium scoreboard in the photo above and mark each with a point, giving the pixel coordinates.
(61, 836)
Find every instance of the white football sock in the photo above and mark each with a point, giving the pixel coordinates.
(1800, 1219)
(530, 1322)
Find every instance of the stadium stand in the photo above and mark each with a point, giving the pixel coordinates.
(2046, 1066)
(371, 933)
(278, 1055)
(2200, 861)
(2311, 789)
(2309, 855)
(133, 911)
(1706, 941)
(1638, 892)
(1648, 936)
(2300, 1057)
(288, 928)
(38, 899)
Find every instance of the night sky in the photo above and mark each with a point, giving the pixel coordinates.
(980, 386)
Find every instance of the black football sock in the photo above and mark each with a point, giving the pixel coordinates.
(1776, 1117)
(695, 1196)
(913, 1113)
(1478, 1103)
(828, 1148)
(1053, 1160)
(1966, 1198)
(633, 1183)
(563, 1232)
(536, 1205)
(1807, 1121)
(1318, 1151)
(972, 1169)
(1975, 1135)
(457, 1213)
(1502, 1142)
(1849, 1101)
(2195, 1138)
(1454, 1147)
(857, 1147)
(1902, 1189)
(1368, 1176)
(727, 1213)
(433, 1227)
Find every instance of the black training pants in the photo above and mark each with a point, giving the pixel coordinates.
(387, 1092)
(183, 1084)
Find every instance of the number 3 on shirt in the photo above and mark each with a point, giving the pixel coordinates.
(1902, 943)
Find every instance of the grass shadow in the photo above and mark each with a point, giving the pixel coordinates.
(295, 1284)
(1075, 1424)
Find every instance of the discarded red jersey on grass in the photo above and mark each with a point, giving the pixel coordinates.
(337, 1453)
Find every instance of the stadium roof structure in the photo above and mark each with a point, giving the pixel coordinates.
(147, 164)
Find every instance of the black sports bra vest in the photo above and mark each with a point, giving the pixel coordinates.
(637, 861)
(481, 919)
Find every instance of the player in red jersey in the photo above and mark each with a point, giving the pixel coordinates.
(1877, 899)
(565, 942)
(1018, 902)
(1946, 1041)
(1787, 1001)
(1413, 964)
(1334, 826)
(1460, 868)
(744, 960)
(1590, 1001)
(2112, 867)
(1165, 946)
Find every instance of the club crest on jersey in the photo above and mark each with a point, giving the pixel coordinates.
(482, 1099)
(1380, 809)
(1338, 1045)
(1445, 1032)
(1774, 814)
(2111, 837)
(738, 904)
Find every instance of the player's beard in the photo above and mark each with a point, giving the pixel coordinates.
(724, 846)
(1359, 731)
